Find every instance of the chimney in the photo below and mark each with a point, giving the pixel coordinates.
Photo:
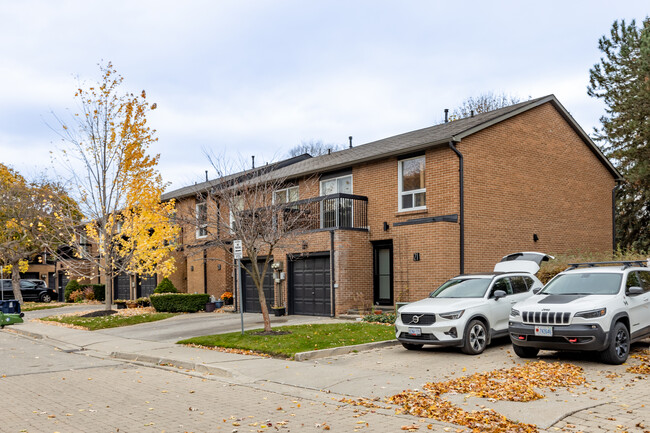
(350, 137)
(446, 115)
(253, 158)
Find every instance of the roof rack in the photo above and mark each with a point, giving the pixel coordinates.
(624, 263)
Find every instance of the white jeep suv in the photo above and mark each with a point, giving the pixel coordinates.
(601, 306)
(469, 310)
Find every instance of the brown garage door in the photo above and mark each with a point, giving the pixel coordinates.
(309, 286)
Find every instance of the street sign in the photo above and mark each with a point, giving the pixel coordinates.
(237, 249)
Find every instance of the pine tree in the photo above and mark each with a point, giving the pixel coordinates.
(622, 80)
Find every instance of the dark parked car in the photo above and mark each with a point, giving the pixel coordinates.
(32, 290)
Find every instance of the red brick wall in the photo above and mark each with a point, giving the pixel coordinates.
(529, 175)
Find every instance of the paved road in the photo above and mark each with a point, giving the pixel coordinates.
(53, 391)
(246, 386)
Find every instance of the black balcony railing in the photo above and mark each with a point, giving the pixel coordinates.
(334, 211)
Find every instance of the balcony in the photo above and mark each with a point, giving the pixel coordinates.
(331, 212)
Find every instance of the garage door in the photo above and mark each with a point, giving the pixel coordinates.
(309, 286)
(121, 286)
(146, 285)
(249, 291)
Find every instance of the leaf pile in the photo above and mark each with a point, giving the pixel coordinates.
(514, 384)
(644, 367)
(231, 350)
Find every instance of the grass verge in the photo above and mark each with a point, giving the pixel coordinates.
(112, 321)
(33, 306)
(299, 338)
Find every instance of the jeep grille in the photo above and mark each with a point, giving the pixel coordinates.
(418, 319)
(546, 317)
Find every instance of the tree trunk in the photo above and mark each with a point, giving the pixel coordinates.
(15, 282)
(108, 277)
(265, 309)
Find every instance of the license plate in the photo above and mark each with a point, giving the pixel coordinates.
(415, 332)
(544, 331)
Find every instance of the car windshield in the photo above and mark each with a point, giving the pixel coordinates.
(462, 288)
(584, 284)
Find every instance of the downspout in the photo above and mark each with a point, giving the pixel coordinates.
(332, 279)
(461, 174)
(205, 271)
(618, 185)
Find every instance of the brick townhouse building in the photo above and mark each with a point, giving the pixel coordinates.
(399, 216)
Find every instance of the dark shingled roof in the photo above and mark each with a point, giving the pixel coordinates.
(409, 142)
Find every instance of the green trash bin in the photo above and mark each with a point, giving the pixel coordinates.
(10, 313)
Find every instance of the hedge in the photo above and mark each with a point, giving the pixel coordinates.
(179, 302)
(100, 292)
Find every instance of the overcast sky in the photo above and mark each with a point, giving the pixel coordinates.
(259, 77)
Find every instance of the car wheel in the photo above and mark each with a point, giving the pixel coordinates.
(412, 346)
(525, 352)
(45, 297)
(475, 338)
(619, 345)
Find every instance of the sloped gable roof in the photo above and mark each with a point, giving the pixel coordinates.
(416, 141)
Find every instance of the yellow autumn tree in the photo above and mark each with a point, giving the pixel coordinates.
(127, 229)
(28, 220)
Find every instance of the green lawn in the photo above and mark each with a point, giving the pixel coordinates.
(112, 321)
(302, 338)
(33, 306)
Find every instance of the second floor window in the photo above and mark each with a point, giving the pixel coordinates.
(336, 212)
(286, 195)
(84, 244)
(412, 191)
(201, 219)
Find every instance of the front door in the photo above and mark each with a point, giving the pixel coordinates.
(383, 272)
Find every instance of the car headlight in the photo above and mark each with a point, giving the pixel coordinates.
(452, 315)
(592, 314)
(514, 312)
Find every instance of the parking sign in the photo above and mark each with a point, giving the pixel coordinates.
(237, 250)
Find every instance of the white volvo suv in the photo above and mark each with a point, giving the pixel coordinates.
(600, 307)
(469, 310)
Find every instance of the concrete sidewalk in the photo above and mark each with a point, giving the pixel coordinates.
(378, 372)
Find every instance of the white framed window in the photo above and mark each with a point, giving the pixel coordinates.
(84, 244)
(336, 185)
(201, 220)
(286, 195)
(238, 204)
(336, 212)
(412, 190)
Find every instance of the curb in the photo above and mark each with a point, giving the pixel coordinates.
(344, 350)
(25, 333)
(166, 362)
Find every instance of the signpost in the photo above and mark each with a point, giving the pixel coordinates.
(238, 253)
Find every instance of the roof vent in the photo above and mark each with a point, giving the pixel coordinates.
(350, 137)
(446, 115)
(253, 158)
(471, 113)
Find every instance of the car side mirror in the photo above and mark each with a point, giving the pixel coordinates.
(635, 290)
(536, 290)
(498, 294)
